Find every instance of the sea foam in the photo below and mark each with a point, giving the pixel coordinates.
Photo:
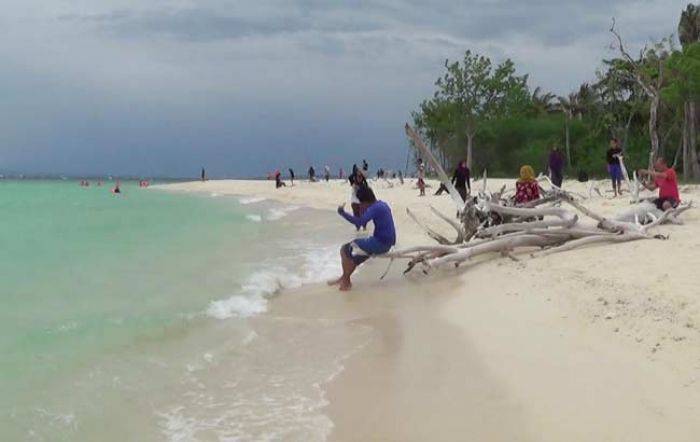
(318, 265)
(251, 200)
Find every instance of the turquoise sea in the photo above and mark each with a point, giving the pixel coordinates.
(141, 316)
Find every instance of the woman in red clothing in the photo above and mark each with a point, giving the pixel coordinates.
(527, 189)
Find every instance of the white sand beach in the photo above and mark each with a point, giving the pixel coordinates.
(599, 343)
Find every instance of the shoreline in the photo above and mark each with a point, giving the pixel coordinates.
(591, 344)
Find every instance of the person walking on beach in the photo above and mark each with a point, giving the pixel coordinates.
(365, 166)
(356, 252)
(461, 180)
(312, 174)
(341, 173)
(327, 173)
(614, 167)
(278, 180)
(663, 178)
(526, 188)
(421, 177)
(556, 166)
(203, 175)
(291, 175)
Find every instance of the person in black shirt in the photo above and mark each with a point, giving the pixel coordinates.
(614, 167)
(291, 176)
(461, 180)
(312, 174)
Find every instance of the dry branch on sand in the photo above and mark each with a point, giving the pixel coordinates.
(488, 223)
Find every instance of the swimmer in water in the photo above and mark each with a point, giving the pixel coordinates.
(116, 188)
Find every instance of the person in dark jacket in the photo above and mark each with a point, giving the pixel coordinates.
(556, 166)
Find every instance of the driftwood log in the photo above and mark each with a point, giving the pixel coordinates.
(558, 222)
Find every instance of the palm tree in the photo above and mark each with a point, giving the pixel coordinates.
(570, 107)
(543, 103)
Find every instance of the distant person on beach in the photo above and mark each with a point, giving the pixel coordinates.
(278, 180)
(421, 177)
(204, 175)
(461, 180)
(357, 180)
(614, 167)
(365, 166)
(117, 188)
(360, 250)
(327, 173)
(401, 177)
(291, 175)
(663, 178)
(526, 188)
(556, 166)
(312, 174)
(341, 173)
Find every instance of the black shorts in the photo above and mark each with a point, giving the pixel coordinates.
(659, 202)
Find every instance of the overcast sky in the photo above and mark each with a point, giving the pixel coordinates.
(162, 87)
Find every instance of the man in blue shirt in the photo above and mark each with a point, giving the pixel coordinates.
(382, 240)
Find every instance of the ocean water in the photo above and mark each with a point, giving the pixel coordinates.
(142, 316)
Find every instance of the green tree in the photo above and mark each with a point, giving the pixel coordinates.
(478, 92)
(683, 89)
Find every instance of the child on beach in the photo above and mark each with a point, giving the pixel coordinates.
(354, 253)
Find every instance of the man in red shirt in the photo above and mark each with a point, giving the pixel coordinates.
(663, 178)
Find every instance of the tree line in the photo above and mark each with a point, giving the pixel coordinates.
(486, 113)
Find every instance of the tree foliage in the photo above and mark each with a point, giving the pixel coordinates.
(488, 112)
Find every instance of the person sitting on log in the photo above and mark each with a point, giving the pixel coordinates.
(360, 250)
(663, 178)
(527, 188)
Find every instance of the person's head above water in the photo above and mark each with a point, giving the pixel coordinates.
(365, 195)
(527, 173)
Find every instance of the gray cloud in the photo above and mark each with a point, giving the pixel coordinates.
(155, 87)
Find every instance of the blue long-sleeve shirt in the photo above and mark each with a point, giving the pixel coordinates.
(379, 213)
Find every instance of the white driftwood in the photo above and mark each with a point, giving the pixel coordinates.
(564, 218)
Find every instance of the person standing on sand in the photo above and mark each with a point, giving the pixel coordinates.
(203, 175)
(357, 180)
(663, 178)
(461, 180)
(421, 177)
(556, 166)
(614, 167)
(356, 252)
(312, 174)
(526, 188)
(365, 166)
(291, 175)
(327, 173)
(278, 180)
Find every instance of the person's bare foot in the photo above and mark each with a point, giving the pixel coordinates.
(345, 286)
